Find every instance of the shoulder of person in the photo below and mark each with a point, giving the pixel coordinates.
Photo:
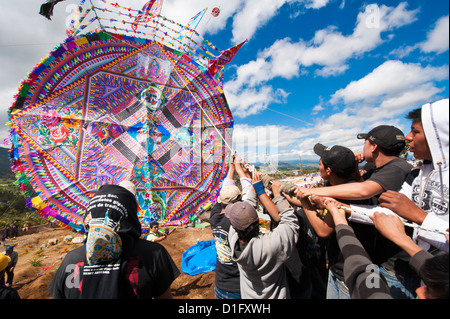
(146, 246)
(75, 256)
(401, 162)
(412, 175)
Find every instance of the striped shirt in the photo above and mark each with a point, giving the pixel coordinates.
(362, 277)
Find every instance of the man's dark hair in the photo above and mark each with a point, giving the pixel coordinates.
(251, 231)
(392, 152)
(415, 115)
(434, 273)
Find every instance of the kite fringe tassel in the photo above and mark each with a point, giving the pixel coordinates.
(36, 203)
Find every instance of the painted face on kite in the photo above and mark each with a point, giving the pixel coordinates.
(153, 98)
(103, 108)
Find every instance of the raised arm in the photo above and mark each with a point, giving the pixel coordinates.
(244, 175)
(258, 188)
(349, 191)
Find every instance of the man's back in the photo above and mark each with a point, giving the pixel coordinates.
(263, 259)
(227, 272)
(146, 271)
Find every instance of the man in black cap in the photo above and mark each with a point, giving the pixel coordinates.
(338, 167)
(337, 164)
(382, 147)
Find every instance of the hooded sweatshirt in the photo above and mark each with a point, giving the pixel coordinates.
(263, 261)
(428, 186)
(114, 263)
(429, 190)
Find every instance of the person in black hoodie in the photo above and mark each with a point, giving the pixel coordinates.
(114, 263)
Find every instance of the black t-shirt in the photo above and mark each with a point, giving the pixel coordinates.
(8, 293)
(306, 254)
(147, 272)
(227, 272)
(382, 251)
(391, 176)
(365, 234)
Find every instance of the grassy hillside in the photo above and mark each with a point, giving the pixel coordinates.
(13, 209)
(5, 166)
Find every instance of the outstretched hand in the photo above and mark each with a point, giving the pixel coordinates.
(276, 186)
(302, 192)
(256, 177)
(402, 206)
(333, 207)
(390, 226)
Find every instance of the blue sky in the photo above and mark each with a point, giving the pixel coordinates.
(312, 71)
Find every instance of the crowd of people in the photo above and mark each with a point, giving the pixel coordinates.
(381, 234)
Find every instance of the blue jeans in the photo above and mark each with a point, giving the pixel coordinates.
(336, 288)
(401, 287)
(222, 294)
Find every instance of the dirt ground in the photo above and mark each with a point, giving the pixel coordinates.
(31, 279)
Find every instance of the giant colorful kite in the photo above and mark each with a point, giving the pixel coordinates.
(116, 102)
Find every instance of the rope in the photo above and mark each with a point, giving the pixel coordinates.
(250, 167)
(199, 104)
(404, 223)
(292, 117)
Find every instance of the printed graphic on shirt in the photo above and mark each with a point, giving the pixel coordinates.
(223, 251)
(222, 247)
(434, 199)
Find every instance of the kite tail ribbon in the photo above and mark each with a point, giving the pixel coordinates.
(47, 8)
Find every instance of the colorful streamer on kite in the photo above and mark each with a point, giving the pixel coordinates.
(150, 10)
(226, 57)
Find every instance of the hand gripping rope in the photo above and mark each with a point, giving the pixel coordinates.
(412, 225)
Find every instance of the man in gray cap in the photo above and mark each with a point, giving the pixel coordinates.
(262, 258)
(227, 282)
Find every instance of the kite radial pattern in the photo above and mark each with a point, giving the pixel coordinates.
(105, 107)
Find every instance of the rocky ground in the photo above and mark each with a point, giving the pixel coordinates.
(40, 255)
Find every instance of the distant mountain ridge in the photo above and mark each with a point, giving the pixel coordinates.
(292, 164)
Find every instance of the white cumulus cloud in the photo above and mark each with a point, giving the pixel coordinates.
(438, 38)
(287, 59)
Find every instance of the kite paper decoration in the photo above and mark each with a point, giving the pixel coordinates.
(215, 12)
(218, 64)
(150, 10)
(105, 106)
